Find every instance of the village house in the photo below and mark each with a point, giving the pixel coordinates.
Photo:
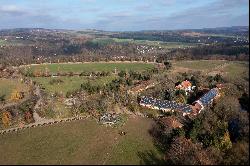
(186, 86)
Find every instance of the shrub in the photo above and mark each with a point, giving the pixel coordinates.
(55, 81)
(168, 65)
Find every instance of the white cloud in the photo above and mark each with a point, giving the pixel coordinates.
(9, 8)
(12, 10)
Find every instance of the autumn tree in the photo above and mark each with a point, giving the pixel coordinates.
(37, 73)
(28, 117)
(168, 65)
(16, 95)
(183, 151)
(2, 98)
(6, 117)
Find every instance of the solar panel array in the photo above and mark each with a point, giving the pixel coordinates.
(165, 104)
(208, 97)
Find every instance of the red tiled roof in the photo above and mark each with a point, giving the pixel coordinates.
(186, 84)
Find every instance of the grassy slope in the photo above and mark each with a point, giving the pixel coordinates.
(95, 66)
(237, 70)
(81, 142)
(199, 64)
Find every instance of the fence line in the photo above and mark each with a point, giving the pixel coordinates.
(42, 123)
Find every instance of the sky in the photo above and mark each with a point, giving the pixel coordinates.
(123, 15)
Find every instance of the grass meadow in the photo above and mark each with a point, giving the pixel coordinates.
(81, 142)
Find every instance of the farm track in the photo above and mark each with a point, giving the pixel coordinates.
(36, 116)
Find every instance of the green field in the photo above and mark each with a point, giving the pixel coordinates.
(237, 70)
(69, 84)
(7, 86)
(199, 64)
(89, 67)
(81, 142)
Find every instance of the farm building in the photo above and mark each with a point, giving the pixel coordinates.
(165, 105)
(206, 99)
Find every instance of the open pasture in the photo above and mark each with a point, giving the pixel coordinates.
(81, 142)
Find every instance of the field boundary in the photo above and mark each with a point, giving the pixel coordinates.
(36, 64)
(43, 123)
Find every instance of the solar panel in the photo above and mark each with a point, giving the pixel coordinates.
(172, 105)
(165, 104)
(208, 97)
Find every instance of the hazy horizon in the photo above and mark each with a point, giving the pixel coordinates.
(122, 30)
(123, 15)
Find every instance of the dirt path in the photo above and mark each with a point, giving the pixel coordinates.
(36, 117)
